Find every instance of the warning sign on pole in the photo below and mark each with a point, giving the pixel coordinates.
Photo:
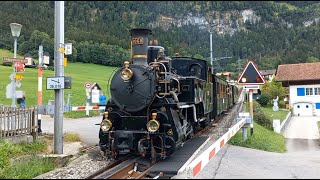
(87, 85)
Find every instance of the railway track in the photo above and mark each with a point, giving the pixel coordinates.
(88, 148)
(131, 168)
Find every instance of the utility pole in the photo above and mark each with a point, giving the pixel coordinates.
(211, 30)
(239, 65)
(59, 71)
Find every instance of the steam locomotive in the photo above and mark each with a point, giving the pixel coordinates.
(159, 102)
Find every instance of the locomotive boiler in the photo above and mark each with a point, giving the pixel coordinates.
(156, 103)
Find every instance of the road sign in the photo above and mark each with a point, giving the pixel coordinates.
(65, 62)
(55, 82)
(8, 59)
(68, 48)
(19, 67)
(87, 85)
(18, 76)
(250, 75)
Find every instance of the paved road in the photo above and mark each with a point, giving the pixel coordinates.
(85, 127)
(233, 162)
(302, 128)
(302, 160)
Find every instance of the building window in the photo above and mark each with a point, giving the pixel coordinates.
(309, 91)
(317, 91)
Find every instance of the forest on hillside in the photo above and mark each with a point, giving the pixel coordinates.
(286, 31)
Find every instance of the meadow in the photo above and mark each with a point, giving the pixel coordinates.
(79, 72)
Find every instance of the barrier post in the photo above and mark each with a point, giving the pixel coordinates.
(87, 104)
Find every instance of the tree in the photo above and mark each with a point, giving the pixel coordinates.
(274, 89)
(312, 59)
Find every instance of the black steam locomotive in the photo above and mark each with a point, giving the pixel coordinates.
(159, 102)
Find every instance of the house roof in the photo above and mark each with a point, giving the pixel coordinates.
(267, 72)
(298, 72)
(97, 85)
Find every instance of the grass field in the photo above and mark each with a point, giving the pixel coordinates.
(281, 114)
(262, 139)
(79, 72)
(11, 167)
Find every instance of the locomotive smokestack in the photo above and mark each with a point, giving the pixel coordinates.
(139, 45)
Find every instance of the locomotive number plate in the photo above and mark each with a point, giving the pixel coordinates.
(137, 40)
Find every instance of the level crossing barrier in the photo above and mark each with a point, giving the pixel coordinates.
(79, 108)
(192, 168)
(201, 161)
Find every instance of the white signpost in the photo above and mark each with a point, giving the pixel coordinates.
(87, 85)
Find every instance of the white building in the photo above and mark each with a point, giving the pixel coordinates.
(303, 83)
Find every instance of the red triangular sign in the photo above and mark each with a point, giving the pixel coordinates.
(250, 75)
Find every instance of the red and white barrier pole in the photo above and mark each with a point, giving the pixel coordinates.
(40, 85)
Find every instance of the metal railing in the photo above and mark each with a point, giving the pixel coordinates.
(17, 121)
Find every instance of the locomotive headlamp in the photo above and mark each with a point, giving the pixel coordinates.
(106, 124)
(153, 125)
(126, 73)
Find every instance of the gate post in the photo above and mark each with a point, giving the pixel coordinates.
(33, 124)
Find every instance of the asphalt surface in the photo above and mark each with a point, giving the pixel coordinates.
(301, 161)
(85, 127)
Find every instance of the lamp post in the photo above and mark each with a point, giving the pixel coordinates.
(15, 31)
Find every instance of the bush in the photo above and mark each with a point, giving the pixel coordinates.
(256, 107)
(282, 104)
(7, 63)
(264, 100)
(263, 120)
(71, 137)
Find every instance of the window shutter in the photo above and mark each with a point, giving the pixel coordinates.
(300, 92)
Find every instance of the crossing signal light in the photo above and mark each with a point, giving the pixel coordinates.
(258, 79)
(250, 75)
(244, 79)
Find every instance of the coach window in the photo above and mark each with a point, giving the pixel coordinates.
(221, 91)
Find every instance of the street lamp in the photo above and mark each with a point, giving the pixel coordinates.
(15, 31)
